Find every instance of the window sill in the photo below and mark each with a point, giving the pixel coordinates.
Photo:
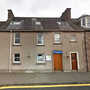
(73, 41)
(41, 63)
(17, 45)
(40, 45)
(16, 63)
(57, 43)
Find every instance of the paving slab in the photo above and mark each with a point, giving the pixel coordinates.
(44, 78)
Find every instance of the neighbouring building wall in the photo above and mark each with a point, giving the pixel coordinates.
(4, 51)
(88, 48)
(29, 50)
(74, 46)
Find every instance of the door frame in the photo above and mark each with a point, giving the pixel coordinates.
(78, 65)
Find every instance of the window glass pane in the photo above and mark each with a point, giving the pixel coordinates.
(17, 40)
(83, 21)
(40, 38)
(57, 38)
(88, 22)
(38, 23)
(40, 58)
(39, 41)
(17, 37)
(17, 57)
(73, 38)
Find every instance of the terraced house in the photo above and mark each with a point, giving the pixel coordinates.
(85, 24)
(43, 44)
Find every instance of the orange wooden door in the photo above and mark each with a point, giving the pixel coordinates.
(74, 61)
(58, 62)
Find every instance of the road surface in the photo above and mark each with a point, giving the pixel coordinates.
(48, 87)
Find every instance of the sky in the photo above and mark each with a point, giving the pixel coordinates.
(43, 8)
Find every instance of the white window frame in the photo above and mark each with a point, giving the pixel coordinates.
(84, 26)
(78, 65)
(38, 23)
(15, 38)
(42, 39)
(87, 23)
(16, 62)
(55, 38)
(15, 22)
(43, 61)
(59, 23)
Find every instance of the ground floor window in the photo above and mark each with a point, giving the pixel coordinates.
(16, 58)
(40, 58)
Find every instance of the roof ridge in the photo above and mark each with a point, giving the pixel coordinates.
(40, 17)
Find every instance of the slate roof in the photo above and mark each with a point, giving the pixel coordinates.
(3, 25)
(47, 24)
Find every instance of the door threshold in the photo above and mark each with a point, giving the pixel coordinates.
(74, 71)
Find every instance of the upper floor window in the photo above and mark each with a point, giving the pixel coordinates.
(15, 22)
(88, 22)
(38, 23)
(16, 58)
(57, 38)
(83, 21)
(17, 38)
(73, 38)
(40, 39)
(59, 23)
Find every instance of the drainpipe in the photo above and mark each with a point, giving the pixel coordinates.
(86, 50)
(10, 51)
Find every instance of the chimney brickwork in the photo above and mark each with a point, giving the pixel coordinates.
(10, 14)
(66, 15)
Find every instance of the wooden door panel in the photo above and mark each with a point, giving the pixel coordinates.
(58, 62)
(55, 62)
(74, 65)
(74, 61)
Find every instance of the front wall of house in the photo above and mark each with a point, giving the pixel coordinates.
(29, 50)
(4, 51)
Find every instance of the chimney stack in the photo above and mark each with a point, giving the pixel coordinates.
(10, 14)
(66, 15)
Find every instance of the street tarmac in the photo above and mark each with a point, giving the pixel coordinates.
(48, 87)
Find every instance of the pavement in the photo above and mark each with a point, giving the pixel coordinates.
(44, 78)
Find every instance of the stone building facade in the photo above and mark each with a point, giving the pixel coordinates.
(85, 24)
(42, 44)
